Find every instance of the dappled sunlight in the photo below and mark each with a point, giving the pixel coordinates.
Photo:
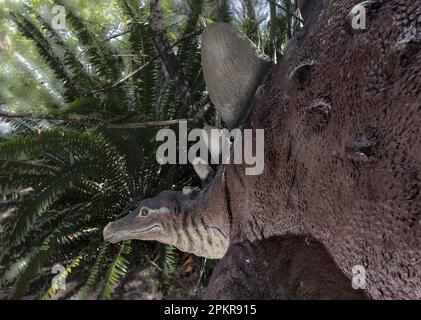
(40, 77)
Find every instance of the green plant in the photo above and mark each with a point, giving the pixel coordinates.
(78, 177)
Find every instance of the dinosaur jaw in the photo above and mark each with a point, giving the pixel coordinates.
(115, 232)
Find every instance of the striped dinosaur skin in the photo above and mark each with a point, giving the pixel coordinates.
(178, 219)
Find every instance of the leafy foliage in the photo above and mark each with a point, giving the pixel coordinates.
(116, 270)
(52, 291)
(78, 179)
(170, 261)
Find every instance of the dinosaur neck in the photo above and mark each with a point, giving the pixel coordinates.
(198, 234)
(202, 227)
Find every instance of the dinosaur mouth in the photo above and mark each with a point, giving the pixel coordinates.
(151, 228)
(122, 235)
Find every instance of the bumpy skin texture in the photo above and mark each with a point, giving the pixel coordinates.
(342, 149)
(284, 268)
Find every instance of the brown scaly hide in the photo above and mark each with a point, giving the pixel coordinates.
(284, 268)
(342, 149)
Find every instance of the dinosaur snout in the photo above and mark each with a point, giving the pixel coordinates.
(115, 232)
(129, 228)
(108, 233)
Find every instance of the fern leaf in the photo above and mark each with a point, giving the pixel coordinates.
(49, 193)
(100, 55)
(32, 32)
(95, 273)
(52, 291)
(38, 256)
(116, 271)
(170, 262)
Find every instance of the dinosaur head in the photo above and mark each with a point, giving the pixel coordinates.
(186, 220)
(153, 219)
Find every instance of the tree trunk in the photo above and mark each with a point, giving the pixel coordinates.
(273, 25)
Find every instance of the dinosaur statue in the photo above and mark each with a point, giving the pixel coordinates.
(287, 268)
(341, 114)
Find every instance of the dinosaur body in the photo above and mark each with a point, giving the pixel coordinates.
(341, 114)
(343, 150)
(287, 267)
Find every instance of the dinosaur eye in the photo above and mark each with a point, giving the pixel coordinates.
(144, 212)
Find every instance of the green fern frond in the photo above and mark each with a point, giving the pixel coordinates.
(96, 271)
(147, 80)
(142, 46)
(170, 262)
(61, 278)
(38, 257)
(116, 271)
(23, 126)
(31, 31)
(76, 70)
(27, 167)
(14, 270)
(49, 193)
(42, 228)
(131, 9)
(191, 24)
(92, 108)
(55, 142)
(101, 55)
